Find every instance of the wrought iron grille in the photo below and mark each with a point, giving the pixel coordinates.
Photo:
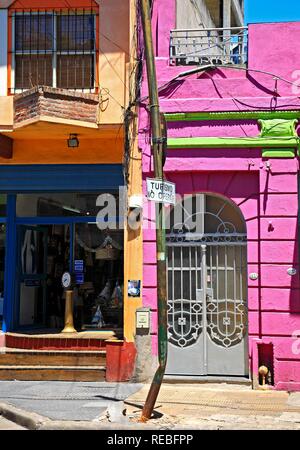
(209, 46)
(54, 48)
(223, 312)
(226, 306)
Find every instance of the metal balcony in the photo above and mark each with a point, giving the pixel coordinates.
(209, 46)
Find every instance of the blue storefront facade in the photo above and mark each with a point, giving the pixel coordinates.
(54, 185)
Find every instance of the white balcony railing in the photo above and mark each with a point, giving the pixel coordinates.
(209, 46)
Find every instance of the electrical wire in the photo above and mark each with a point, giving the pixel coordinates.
(262, 108)
(129, 89)
(197, 10)
(117, 45)
(225, 66)
(102, 34)
(135, 82)
(241, 127)
(114, 70)
(263, 72)
(107, 92)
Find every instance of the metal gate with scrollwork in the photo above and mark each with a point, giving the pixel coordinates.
(207, 300)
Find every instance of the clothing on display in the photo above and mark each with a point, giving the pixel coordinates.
(28, 252)
(98, 318)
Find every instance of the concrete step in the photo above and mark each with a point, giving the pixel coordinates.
(20, 357)
(209, 380)
(52, 373)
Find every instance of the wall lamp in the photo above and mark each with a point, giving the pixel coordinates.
(73, 141)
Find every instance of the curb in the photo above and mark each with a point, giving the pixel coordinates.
(26, 419)
(71, 425)
(33, 421)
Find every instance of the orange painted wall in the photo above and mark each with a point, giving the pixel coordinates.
(114, 53)
(133, 250)
(6, 113)
(42, 151)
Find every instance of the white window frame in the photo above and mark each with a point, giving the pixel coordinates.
(3, 51)
(53, 52)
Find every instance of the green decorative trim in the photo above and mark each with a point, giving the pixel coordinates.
(278, 138)
(219, 142)
(278, 128)
(278, 153)
(229, 115)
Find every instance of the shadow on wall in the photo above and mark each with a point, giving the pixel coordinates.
(295, 279)
(293, 267)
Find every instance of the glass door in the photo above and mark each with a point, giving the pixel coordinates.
(32, 275)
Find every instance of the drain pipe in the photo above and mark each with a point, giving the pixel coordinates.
(157, 147)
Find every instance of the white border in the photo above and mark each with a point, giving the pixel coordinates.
(3, 51)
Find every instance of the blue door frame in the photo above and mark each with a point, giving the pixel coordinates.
(9, 306)
(39, 179)
(21, 275)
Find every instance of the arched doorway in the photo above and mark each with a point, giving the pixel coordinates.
(207, 288)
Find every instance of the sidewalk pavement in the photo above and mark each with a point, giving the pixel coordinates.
(219, 406)
(115, 406)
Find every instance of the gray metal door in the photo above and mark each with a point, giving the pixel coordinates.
(207, 305)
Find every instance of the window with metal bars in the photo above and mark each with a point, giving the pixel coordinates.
(55, 49)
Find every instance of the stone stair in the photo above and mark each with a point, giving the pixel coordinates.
(55, 365)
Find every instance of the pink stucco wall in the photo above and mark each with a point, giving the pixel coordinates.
(267, 198)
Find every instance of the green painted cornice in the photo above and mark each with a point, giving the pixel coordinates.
(278, 139)
(227, 115)
(219, 142)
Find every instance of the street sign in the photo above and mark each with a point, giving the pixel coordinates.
(161, 191)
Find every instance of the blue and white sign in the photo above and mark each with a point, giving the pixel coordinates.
(78, 265)
(79, 278)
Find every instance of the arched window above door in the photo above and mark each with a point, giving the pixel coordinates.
(205, 217)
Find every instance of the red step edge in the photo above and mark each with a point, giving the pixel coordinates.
(34, 343)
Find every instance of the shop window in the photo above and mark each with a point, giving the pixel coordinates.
(3, 200)
(95, 258)
(64, 204)
(93, 254)
(99, 295)
(55, 49)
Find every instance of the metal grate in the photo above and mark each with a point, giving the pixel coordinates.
(54, 48)
(219, 273)
(209, 46)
